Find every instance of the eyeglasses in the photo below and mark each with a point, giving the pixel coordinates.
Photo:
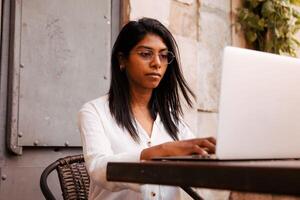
(165, 57)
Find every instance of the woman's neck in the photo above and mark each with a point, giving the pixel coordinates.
(141, 111)
(140, 98)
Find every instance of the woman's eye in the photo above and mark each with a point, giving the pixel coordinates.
(146, 54)
(164, 56)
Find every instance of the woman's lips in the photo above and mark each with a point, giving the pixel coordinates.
(154, 75)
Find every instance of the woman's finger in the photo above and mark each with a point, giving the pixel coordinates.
(198, 150)
(199, 140)
(212, 140)
(204, 143)
(209, 146)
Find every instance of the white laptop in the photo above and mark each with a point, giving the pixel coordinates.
(259, 109)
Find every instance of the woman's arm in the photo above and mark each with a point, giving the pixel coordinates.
(97, 149)
(201, 146)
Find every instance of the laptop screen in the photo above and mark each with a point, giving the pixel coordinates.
(259, 109)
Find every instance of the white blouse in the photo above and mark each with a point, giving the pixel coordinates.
(104, 141)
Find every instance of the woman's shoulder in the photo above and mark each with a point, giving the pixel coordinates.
(96, 104)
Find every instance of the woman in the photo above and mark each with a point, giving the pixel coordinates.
(140, 118)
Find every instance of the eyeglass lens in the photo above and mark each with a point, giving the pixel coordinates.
(165, 57)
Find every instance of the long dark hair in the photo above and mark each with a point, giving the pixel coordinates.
(165, 98)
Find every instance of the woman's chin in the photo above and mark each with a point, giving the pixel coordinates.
(153, 86)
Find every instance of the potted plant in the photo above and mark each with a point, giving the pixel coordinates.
(271, 25)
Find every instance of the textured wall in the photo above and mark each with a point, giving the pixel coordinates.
(202, 29)
(214, 35)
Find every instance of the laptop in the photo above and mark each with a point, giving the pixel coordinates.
(259, 108)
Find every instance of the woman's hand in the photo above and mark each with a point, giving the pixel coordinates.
(201, 146)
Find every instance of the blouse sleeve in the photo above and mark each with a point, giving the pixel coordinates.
(97, 150)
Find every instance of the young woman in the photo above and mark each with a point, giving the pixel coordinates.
(140, 118)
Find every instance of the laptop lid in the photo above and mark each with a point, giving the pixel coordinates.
(259, 109)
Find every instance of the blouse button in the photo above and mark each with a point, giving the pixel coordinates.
(153, 194)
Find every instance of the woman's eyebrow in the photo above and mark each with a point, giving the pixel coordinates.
(149, 48)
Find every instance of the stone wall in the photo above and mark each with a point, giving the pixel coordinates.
(202, 29)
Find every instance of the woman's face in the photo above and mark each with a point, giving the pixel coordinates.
(147, 63)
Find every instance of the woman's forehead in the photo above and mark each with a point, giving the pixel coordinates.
(151, 41)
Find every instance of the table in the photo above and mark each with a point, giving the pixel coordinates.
(272, 176)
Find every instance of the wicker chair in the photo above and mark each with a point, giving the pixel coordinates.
(73, 177)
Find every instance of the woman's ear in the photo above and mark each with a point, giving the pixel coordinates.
(121, 59)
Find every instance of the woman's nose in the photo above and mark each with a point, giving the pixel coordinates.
(156, 62)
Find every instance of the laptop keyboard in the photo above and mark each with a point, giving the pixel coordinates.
(187, 158)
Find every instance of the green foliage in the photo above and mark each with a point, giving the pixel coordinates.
(296, 2)
(270, 25)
